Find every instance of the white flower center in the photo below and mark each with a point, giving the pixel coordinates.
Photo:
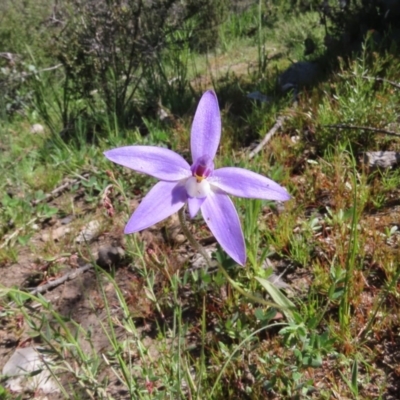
(197, 189)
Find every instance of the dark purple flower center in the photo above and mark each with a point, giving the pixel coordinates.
(202, 168)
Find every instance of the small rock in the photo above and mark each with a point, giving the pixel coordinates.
(198, 261)
(179, 239)
(66, 220)
(56, 234)
(295, 139)
(20, 367)
(89, 232)
(109, 255)
(37, 129)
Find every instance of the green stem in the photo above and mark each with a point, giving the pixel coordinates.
(383, 298)
(197, 246)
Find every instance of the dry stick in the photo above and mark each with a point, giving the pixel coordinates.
(395, 84)
(268, 136)
(24, 75)
(16, 232)
(50, 196)
(373, 78)
(365, 128)
(210, 264)
(9, 56)
(56, 282)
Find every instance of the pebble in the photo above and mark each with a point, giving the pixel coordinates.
(89, 232)
(19, 367)
(37, 129)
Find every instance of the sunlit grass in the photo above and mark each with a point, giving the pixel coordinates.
(171, 331)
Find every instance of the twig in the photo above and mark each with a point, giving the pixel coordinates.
(56, 282)
(24, 75)
(49, 68)
(9, 56)
(372, 78)
(395, 84)
(16, 232)
(268, 136)
(365, 128)
(50, 196)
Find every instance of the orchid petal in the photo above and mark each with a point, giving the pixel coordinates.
(222, 219)
(194, 205)
(244, 183)
(159, 162)
(163, 200)
(206, 127)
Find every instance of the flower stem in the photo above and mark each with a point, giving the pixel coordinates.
(197, 246)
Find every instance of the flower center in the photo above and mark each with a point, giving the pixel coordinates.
(197, 185)
(202, 168)
(197, 189)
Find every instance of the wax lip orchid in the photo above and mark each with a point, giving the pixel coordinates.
(200, 186)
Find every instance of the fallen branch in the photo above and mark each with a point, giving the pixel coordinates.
(395, 84)
(9, 56)
(24, 74)
(372, 78)
(50, 196)
(268, 136)
(57, 282)
(9, 237)
(365, 128)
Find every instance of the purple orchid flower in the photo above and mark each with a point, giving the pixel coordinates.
(199, 185)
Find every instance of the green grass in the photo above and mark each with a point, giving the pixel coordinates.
(152, 326)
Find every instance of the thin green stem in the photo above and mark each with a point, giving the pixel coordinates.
(197, 246)
(383, 298)
(238, 347)
(345, 304)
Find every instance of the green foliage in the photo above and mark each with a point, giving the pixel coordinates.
(208, 16)
(170, 330)
(350, 23)
(240, 24)
(112, 54)
(294, 31)
(352, 101)
(105, 49)
(25, 28)
(23, 25)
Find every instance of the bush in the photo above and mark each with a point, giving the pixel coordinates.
(208, 15)
(112, 51)
(350, 22)
(24, 27)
